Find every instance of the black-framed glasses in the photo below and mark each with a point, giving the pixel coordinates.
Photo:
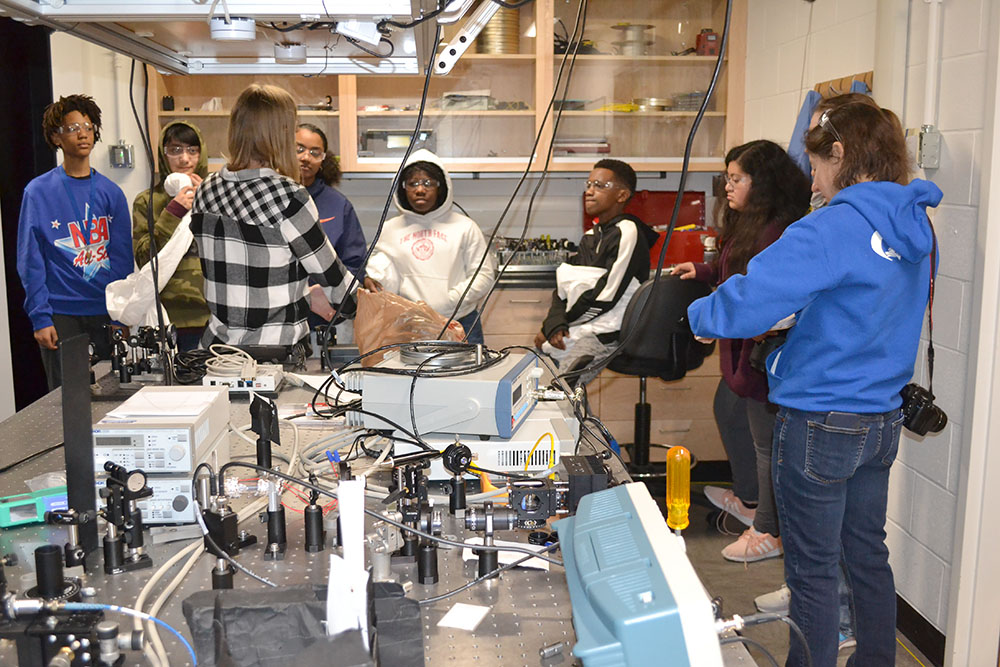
(600, 185)
(827, 124)
(73, 128)
(313, 152)
(425, 182)
(174, 150)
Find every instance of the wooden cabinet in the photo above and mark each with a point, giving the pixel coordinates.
(642, 56)
(191, 93)
(514, 316)
(372, 115)
(681, 410)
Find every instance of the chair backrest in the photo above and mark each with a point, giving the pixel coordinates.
(662, 345)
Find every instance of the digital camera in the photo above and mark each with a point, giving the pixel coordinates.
(920, 415)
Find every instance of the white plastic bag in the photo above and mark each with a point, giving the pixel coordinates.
(131, 300)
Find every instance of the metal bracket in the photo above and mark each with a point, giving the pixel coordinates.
(446, 61)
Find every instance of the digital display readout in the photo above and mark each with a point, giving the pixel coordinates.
(113, 441)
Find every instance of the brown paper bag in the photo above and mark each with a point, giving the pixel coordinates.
(384, 318)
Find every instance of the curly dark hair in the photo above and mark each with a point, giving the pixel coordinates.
(779, 193)
(329, 170)
(52, 118)
(623, 172)
(432, 170)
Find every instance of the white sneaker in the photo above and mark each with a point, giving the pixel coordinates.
(775, 602)
(727, 501)
(752, 547)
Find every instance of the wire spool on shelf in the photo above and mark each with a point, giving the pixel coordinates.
(501, 35)
(437, 355)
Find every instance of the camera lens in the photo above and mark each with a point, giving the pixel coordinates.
(938, 421)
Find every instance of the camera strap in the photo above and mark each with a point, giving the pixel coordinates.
(930, 314)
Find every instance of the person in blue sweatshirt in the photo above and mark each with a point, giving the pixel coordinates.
(320, 172)
(857, 274)
(74, 237)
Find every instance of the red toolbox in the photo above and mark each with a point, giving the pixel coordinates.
(654, 207)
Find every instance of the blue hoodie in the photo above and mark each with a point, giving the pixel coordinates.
(340, 222)
(856, 272)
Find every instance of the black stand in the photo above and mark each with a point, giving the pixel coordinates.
(78, 429)
(640, 469)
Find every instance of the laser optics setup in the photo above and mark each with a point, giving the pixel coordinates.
(173, 457)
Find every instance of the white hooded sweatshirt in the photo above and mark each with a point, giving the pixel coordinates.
(431, 257)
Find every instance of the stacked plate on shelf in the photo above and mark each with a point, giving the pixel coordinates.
(653, 103)
(502, 34)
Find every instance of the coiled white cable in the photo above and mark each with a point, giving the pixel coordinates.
(231, 363)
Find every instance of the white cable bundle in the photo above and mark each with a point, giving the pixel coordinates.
(234, 363)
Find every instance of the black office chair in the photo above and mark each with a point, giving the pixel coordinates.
(662, 346)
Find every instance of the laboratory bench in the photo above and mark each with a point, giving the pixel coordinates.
(529, 608)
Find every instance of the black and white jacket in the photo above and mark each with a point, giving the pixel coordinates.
(612, 260)
(260, 241)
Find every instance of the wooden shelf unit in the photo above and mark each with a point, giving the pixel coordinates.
(500, 140)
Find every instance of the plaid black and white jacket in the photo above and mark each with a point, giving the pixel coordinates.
(260, 241)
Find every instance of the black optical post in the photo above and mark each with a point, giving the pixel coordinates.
(264, 422)
(74, 357)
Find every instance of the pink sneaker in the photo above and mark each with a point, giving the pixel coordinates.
(752, 547)
(727, 501)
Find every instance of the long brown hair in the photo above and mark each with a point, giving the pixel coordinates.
(873, 142)
(262, 129)
(779, 194)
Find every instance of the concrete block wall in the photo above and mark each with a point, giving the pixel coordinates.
(791, 47)
(922, 534)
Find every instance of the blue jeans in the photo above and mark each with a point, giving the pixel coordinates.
(831, 482)
(475, 334)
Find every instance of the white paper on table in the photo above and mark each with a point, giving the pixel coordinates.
(351, 503)
(163, 403)
(347, 599)
(508, 557)
(464, 616)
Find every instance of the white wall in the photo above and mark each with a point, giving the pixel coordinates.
(789, 51)
(791, 46)
(926, 484)
(81, 67)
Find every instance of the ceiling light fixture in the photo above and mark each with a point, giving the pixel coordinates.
(237, 29)
(290, 53)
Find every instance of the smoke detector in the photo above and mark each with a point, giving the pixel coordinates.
(290, 53)
(237, 29)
